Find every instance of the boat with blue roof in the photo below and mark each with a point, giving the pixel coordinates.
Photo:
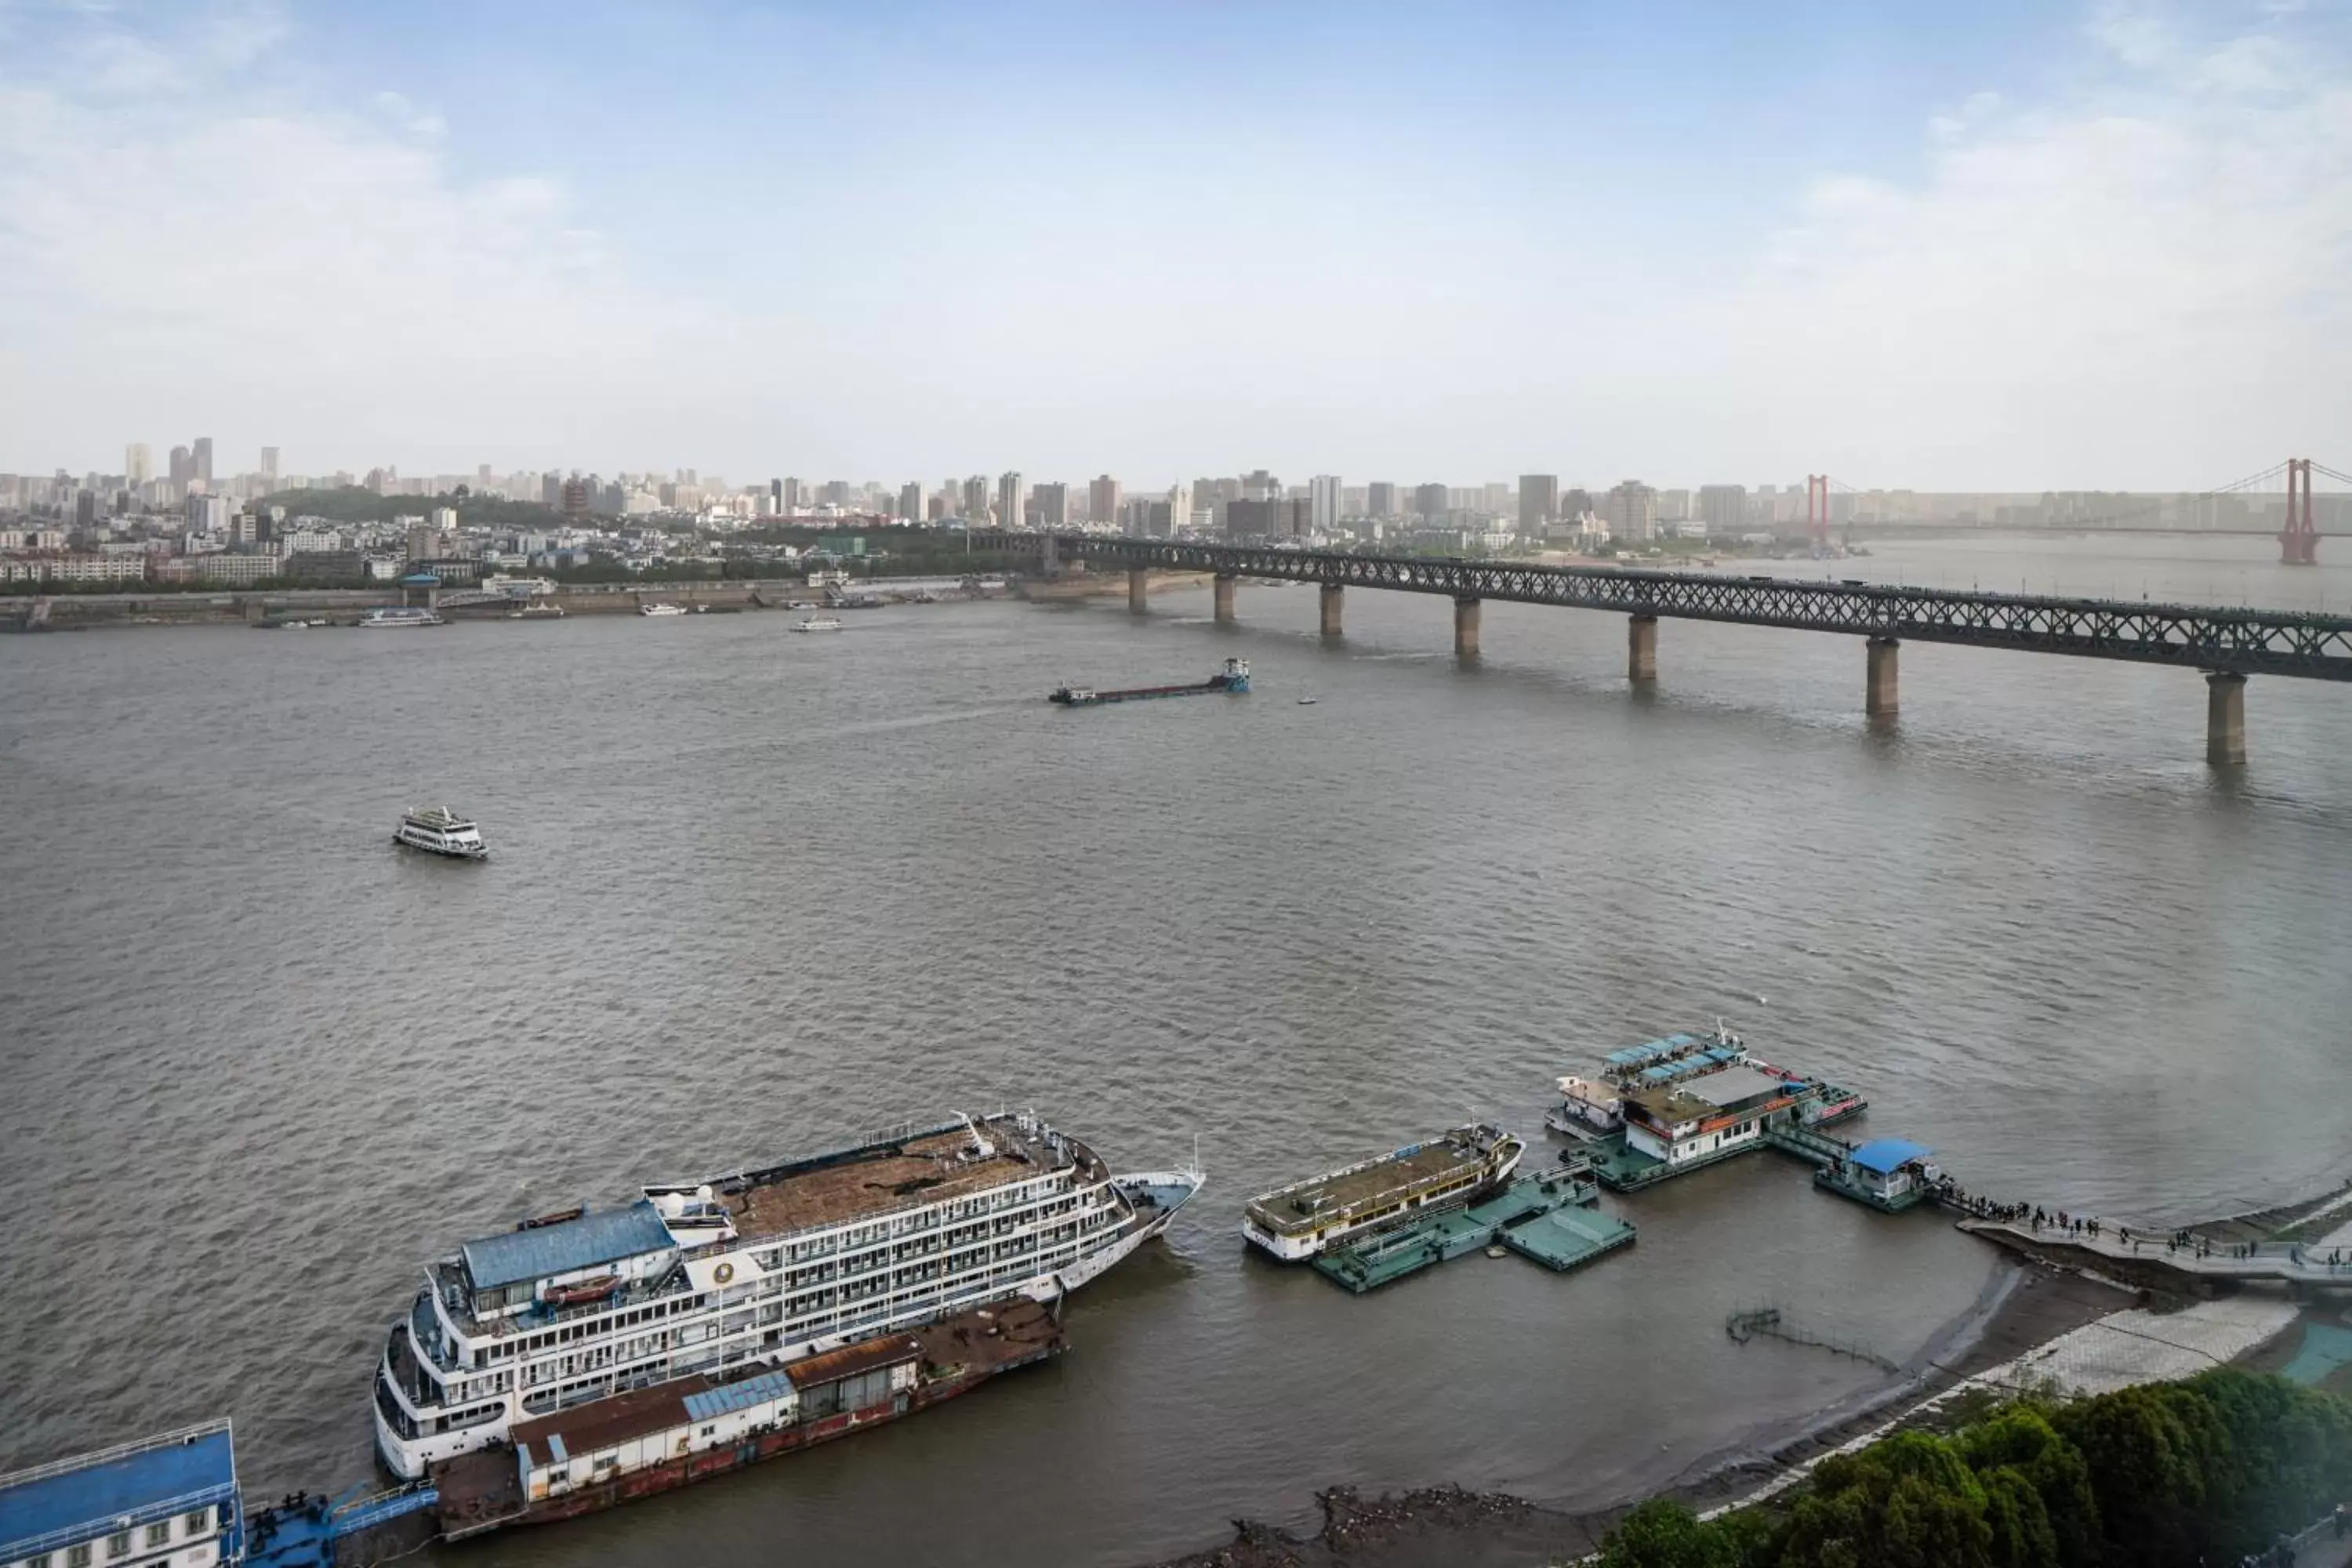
(749, 1271)
(168, 1499)
(1890, 1174)
(1687, 1100)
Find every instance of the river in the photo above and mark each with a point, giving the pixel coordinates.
(753, 890)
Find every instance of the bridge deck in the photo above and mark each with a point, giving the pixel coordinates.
(2192, 636)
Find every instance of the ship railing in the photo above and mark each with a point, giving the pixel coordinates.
(172, 1439)
(1289, 1224)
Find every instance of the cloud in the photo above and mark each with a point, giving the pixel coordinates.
(2135, 267)
(179, 244)
(2148, 271)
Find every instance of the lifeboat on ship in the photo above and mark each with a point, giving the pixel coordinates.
(580, 1292)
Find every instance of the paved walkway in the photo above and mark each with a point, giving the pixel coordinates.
(2327, 1268)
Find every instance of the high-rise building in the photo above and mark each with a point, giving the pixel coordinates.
(138, 464)
(975, 500)
(792, 495)
(85, 508)
(269, 466)
(1323, 503)
(910, 500)
(1577, 502)
(207, 514)
(1009, 496)
(183, 465)
(575, 498)
(836, 493)
(1723, 508)
(1539, 502)
(1273, 517)
(1052, 505)
(1633, 514)
(1674, 506)
(1102, 501)
(775, 497)
(550, 488)
(1429, 502)
(203, 458)
(1179, 510)
(1259, 485)
(1380, 499)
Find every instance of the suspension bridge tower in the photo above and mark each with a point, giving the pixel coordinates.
(2299, 540)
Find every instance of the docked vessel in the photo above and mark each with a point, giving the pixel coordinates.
(1233, 680)
(437, 831)
(817, 624)
(1297, 1222)
(537, 610)
(636, 1445)
(1687, 1100)
(391, 617)
(757, 1269)
(661, 609)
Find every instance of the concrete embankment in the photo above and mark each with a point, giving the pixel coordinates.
(1076, 583)
(340, 606)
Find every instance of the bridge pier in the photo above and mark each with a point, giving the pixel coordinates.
(1137, 586)
(1642, 648)
(1331, 595)
(1223, 592)
(1878, 693)
(2225, 720)
(1465, 628)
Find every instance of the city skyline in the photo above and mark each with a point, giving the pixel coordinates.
(1965, 252)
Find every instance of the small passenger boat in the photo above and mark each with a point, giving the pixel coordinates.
(661, 609)
(381, 619)
(818, 624)
(1297, 1222)
(437, 831)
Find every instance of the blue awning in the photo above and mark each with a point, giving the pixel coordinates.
(1885, 1154)
(606, 1236)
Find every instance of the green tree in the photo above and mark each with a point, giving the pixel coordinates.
(1661, 1533)
(1908, 1502)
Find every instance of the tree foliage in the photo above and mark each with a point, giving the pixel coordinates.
(2162, 1476)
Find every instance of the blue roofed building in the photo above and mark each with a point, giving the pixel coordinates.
(167, 1500)
(1888, 1173)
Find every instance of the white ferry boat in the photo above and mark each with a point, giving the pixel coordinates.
(1297, 1222)
(765, 1266)
(661, 609)
(384, 618)
(818, 624)
(437, 831)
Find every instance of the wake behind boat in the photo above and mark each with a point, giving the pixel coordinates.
(762, 1268)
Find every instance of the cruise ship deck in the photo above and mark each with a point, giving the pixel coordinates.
(832, 1189)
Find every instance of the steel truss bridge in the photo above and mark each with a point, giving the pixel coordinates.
(2194, 636)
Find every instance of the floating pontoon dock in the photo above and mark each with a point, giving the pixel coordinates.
(1547, 1218)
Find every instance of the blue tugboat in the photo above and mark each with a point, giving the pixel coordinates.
(1233, 680)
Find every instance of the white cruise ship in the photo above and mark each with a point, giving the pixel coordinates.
(765, 1266)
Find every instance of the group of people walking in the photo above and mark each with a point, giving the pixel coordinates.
(2175, 1242)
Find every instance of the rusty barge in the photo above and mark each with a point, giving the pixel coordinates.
(656, 1439)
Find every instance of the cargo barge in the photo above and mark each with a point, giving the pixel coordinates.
(656, 1439)
(1297, 1222)
(1233, 680)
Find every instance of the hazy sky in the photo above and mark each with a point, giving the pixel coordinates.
(1992, 245)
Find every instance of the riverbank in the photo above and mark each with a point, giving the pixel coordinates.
(2021, 1311)
(344, 607)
